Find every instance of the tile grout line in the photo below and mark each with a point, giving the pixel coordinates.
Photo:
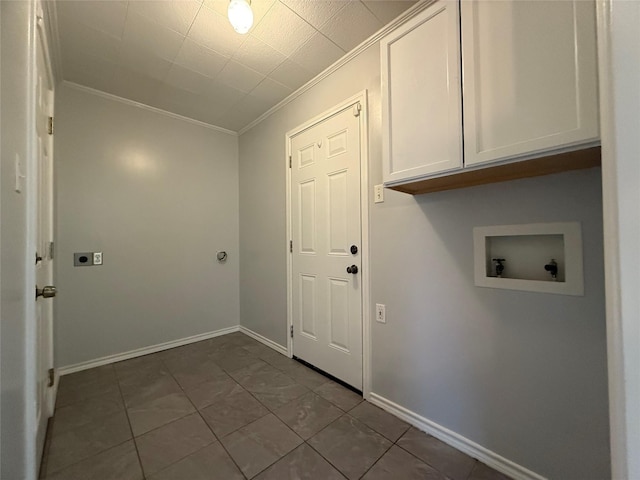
(328, 460)
(126, 411)
(305, 442)
(66, 467)
(164, 364)
(133, 436)
(198, 411)
(208, 349)
(322, 456)
(270, 413)
(80, 426)
(205, 421)
(377, 460)
(475, 460)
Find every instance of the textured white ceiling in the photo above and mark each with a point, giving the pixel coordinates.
(183, 56)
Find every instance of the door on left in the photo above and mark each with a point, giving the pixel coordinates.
(43, 235)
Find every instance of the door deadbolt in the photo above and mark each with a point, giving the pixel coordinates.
(354, 249)
(46, 292)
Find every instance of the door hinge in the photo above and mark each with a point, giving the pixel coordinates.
(290, 246)
(52, 377)
(291, 330)
(50, 125)
(289, 161)
(356, 109)
(51, 250)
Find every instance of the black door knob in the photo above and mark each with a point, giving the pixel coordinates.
(353, 269)
(354, 249)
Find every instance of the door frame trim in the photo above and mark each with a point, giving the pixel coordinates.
(361, 98)
(37, 38)
(31, 460)
(42, 35)
(621, 311)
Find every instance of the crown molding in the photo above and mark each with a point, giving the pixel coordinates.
(375, 38)
(144, 106)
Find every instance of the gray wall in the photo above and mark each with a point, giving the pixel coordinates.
(263, 244)
(520, 373)
(158, 196)
(14, 27)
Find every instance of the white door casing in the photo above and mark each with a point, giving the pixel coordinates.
(43, 234)
(325, 221)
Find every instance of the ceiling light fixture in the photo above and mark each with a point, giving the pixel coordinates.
(240, 15)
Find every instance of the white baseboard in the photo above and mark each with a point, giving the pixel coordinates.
(269, 343)
(118, 357)
(456, 440)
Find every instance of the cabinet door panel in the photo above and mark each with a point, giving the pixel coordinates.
(422, 132)
(529, 77)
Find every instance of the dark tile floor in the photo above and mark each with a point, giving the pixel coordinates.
(231, 408)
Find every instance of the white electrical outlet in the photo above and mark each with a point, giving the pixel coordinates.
(378, 194)
(97, 258)
(380, 313)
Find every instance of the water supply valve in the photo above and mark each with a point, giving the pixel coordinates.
(499, 266)
(552, 268)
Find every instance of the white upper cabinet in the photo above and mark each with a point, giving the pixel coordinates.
(529, 78)
(421, 90)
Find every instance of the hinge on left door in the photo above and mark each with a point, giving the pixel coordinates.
(291, 330)
(51, 249)
(52, 377)
(356, 109)
(290, 246)
(50, 125)
(289, 161)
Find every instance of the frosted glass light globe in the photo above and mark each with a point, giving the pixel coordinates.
(240, 15)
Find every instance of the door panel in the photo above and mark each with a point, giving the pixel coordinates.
(307, 217)
(325, 201)
(339, 308)
(338, 204)
(308, 305)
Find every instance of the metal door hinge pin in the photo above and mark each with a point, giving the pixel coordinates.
(291, 330)
(50, 125)
(52, 377)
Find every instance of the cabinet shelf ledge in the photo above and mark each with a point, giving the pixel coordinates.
(547, 165)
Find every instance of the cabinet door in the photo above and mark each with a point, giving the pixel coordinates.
(421, 95)
(529, 77)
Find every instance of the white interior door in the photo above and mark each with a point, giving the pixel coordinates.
(44, 237)
(326, 227)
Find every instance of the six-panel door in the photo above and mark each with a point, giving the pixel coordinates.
(325, 222)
